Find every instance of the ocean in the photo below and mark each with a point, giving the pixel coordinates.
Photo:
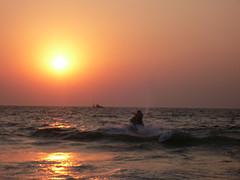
(97, 143)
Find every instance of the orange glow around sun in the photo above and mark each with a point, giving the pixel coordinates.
(61, 60)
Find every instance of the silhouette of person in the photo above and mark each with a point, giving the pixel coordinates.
(137, 119)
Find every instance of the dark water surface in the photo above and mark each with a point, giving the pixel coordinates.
(88, 143)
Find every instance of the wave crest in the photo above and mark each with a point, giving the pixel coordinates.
(173, 137)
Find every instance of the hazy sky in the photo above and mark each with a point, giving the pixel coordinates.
(125, 53)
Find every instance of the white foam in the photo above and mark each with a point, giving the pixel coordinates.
(139, 131)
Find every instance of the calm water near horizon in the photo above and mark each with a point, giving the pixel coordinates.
(97, 143)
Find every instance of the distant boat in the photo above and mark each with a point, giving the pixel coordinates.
(97, 106)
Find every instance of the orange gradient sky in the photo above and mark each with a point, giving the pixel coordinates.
(120, 53)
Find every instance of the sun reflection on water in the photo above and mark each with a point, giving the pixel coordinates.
(65, 164)
(60, 125)
(59, 157)
(60, 163)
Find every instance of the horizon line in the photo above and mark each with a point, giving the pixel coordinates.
(125, 106)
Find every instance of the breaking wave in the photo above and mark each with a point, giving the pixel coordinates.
(126, 134)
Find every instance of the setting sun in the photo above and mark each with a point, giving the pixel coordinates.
(60, 63)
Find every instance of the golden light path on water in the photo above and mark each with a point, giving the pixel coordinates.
(58, 165)
(62, 124)
(36, 164)
(62, 163)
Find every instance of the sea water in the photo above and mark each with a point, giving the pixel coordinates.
(97, 143)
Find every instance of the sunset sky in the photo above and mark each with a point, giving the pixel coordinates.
(165, 53)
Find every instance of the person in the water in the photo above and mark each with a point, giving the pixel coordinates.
(137, 119)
